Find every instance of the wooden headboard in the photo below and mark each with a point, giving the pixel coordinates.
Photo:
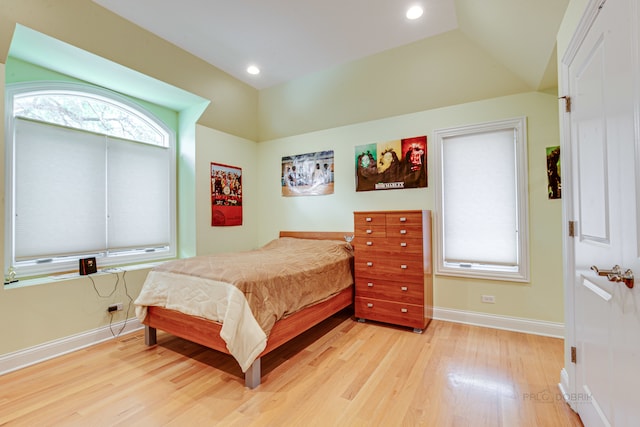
(317, 235)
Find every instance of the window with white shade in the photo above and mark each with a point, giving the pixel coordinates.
(481, 198)
(89, 173)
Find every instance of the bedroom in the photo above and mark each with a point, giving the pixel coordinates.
(254, 130)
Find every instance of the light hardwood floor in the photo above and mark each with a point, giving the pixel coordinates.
(340, 373)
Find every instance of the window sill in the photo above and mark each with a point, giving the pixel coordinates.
(484, 274)
(73, 276)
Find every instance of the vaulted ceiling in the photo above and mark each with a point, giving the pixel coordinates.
(289, 39)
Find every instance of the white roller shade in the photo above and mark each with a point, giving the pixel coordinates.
(480, 211)
(138, 195)
(59, 191)
(78, 193)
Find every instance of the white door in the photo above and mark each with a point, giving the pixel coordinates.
(603, 88)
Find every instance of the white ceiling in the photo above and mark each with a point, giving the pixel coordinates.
(288, 39)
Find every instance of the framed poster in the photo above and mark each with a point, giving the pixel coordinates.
(396, 164)
(554, 186)
(308, 174)
(226, 195)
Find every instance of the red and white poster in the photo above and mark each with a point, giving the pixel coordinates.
(226, 195)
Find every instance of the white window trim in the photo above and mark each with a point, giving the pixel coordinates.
(71, 263)
(522, 272)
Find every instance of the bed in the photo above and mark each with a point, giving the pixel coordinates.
(227, 302)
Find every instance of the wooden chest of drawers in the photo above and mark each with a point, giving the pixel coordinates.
(393, 272)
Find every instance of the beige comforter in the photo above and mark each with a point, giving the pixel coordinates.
(249, 291)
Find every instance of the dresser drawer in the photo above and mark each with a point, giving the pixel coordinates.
(408, 269)
(369, 219)
(368, 246)
(369, 230)
(404, 217)
(390, 247)
(391, 312)
(411, 293)
(409, 219)
(404, 230)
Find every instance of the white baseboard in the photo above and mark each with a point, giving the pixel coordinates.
(566, 390)
(30, 356)
(529, 326)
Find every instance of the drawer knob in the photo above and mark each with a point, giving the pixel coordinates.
(368, 219)
(404, 310)
(404, 289)
(369, 231)
(369, 304)
(370, 285)
(369, 264)
(403, 244)
(369, 243)
(403, 266)
(403, 231)
(403, 219)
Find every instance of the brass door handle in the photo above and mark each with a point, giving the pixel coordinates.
(615, 270)
(626, 278)
(616, 275)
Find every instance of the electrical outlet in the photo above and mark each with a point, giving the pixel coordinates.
(489, 299)
(115, 307)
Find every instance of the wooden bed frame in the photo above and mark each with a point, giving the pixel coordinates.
(207, 332)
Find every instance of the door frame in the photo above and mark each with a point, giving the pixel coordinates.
(567, 382)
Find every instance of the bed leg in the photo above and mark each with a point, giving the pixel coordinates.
(150, 337)
(252, 376)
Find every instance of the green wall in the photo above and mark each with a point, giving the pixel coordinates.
(336, 109)
(219, 147)
(541, 299)
(56, 309)
(266, 212)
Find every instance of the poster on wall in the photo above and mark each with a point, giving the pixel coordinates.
(390, 165)
(554, 186)
(226, 195)
(308, 174)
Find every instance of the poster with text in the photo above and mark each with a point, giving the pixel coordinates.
(226, 195)
(391, 165)
(308, 174)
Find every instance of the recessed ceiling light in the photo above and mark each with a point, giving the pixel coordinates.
(414, 12)
(252, 69)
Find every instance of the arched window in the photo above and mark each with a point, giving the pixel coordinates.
(90, 112)
(91, 174)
